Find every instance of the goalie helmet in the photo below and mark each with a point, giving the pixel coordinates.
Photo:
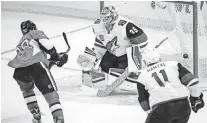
(108, 15)
(27, 26)
(151, 56)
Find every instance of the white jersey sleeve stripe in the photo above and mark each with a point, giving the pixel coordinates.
(50, 76)
(192, 81)
(100, 46)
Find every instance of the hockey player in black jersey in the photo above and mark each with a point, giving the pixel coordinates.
(32, 68)
(163, 89)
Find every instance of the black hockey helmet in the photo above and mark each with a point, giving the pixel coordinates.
(27, 26)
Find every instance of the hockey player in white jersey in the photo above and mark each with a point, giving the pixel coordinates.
(113, 34)
(163, 89)
(32, 67)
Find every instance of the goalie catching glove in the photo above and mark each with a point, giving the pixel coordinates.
(87, 60)
(57, 58)
(197, 103)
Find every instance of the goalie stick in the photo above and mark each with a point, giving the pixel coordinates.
(123, 76)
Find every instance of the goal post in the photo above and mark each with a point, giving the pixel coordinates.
(195, 37)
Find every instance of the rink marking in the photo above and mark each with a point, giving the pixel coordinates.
(8, 51)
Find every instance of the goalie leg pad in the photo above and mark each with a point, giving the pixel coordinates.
(86, 78)
(93, 79)
(134, 58)
(53, 101)
(98, 79)
(129, 83)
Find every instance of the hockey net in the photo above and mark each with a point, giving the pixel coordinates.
(158, 19)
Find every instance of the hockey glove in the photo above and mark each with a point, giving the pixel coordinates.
(63, 58)
(197, 103)
(59, 59)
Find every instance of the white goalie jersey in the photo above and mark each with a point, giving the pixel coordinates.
(116, 39)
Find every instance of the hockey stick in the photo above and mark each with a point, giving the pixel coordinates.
(123, 76)
(66, 41)
(68, 49)
(166, 38)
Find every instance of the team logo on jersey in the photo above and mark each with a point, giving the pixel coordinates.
(112, 45)
(101, 37)
(49, 86)
(122, 22)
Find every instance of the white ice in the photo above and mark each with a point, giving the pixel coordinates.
(77, 106)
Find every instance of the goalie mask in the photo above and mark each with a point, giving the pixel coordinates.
(151, 57)
(108, 15)
(27, 26)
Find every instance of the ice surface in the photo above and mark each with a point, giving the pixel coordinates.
(78, 107)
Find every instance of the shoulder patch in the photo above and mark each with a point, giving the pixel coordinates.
(97, 21)
(122, 22)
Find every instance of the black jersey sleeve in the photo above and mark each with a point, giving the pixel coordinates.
(186, 77)
(135, 34)
(143, 97)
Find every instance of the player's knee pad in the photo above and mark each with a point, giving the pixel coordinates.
(129, 83)
(30, 99)
(54, 104)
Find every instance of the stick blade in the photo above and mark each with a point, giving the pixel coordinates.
(66, 41)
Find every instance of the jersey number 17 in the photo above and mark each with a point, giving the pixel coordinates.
(157, 78)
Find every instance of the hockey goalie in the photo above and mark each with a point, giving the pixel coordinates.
(116, 38)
